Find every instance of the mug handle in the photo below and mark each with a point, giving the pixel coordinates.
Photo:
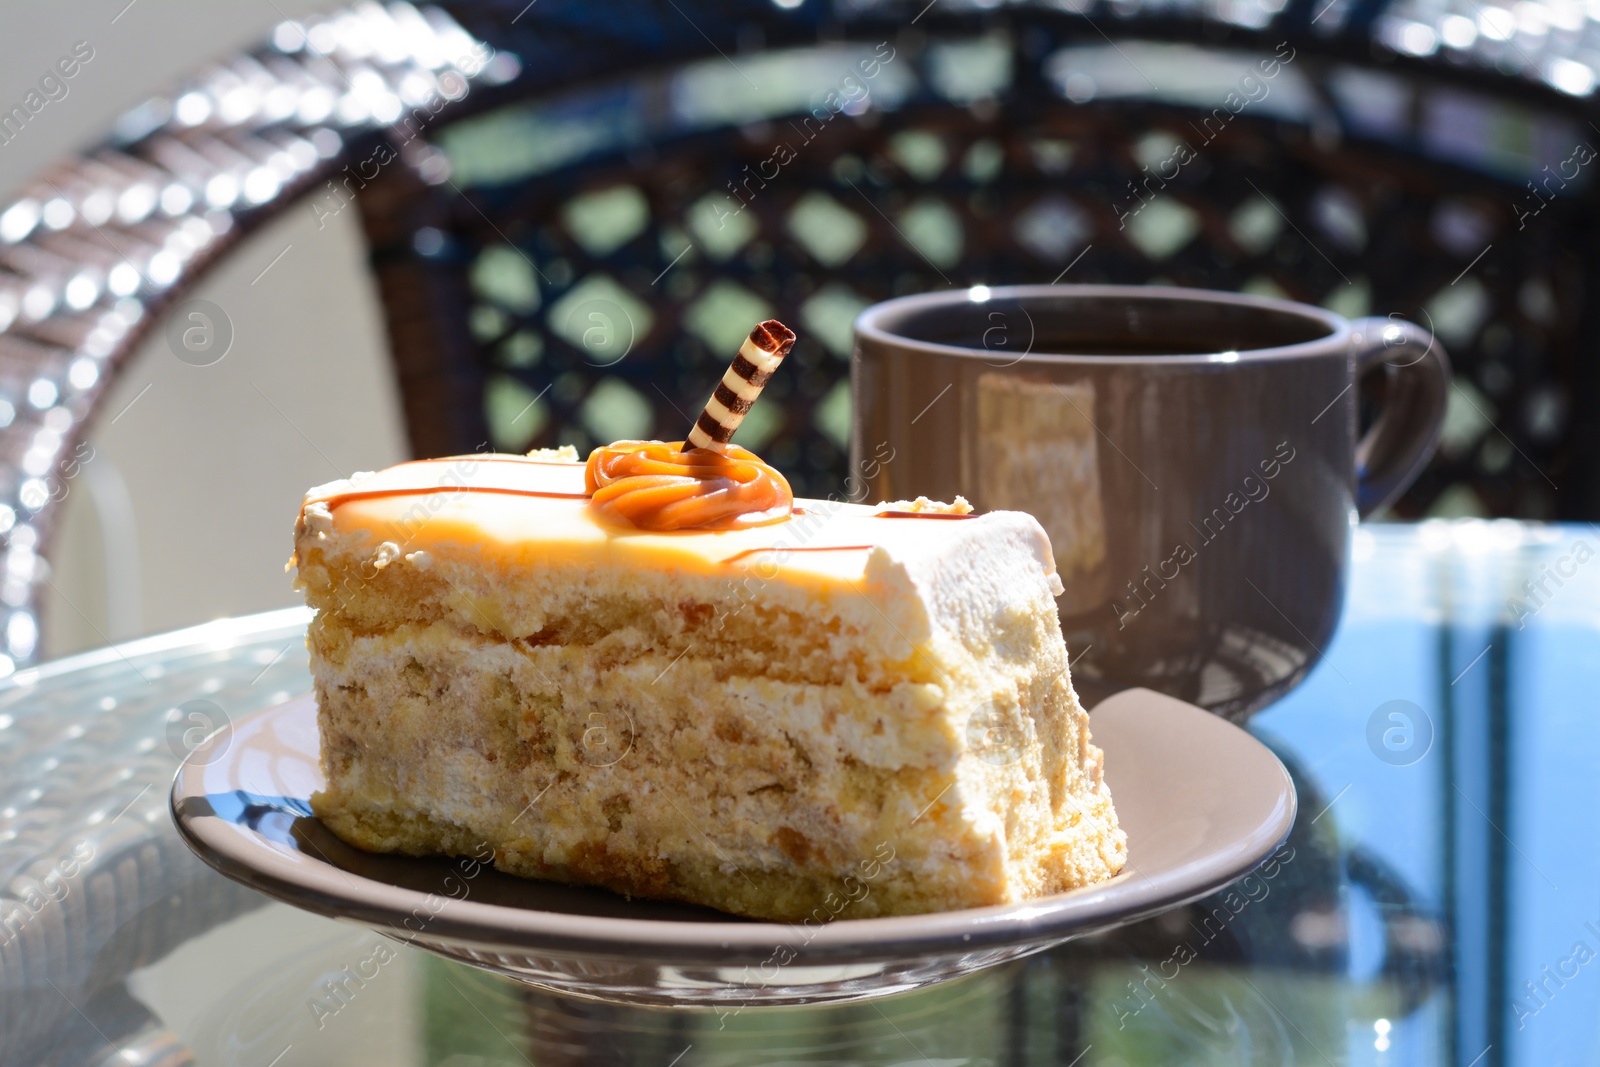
(1391, 454)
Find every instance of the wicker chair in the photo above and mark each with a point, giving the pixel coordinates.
(573, 211)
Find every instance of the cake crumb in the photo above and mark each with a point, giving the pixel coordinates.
(387, 553)
(560, 454)
(318, 520)
(923, 505)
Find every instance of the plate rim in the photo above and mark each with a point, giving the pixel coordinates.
(244, 856)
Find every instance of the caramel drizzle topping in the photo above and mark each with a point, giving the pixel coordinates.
(655, 485)
(922, 515)
(493, 490)
(423, 478)
(645, 484)
(737, 556)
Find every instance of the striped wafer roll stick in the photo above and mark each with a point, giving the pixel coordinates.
(741, 384)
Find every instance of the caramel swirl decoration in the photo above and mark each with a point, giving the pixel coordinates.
(654, 485)
(703, 482)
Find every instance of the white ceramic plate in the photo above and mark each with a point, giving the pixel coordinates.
(1202, 801)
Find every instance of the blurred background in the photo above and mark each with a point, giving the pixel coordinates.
(564, 225)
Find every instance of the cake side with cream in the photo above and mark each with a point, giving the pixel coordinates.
(752, 711)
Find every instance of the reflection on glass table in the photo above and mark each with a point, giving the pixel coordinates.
(1433, 905)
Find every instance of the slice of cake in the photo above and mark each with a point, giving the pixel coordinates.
(834, 711)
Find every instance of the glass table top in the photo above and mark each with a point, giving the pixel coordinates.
(1435, 904)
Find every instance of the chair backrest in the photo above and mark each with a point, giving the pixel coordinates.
(98, 248)
(574, 210)
(662, 175)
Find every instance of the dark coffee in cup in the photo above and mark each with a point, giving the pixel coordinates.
(1194, 457)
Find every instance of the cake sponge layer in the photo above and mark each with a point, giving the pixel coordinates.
(651, 776)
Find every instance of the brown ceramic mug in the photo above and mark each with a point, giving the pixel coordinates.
(1193, 455)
